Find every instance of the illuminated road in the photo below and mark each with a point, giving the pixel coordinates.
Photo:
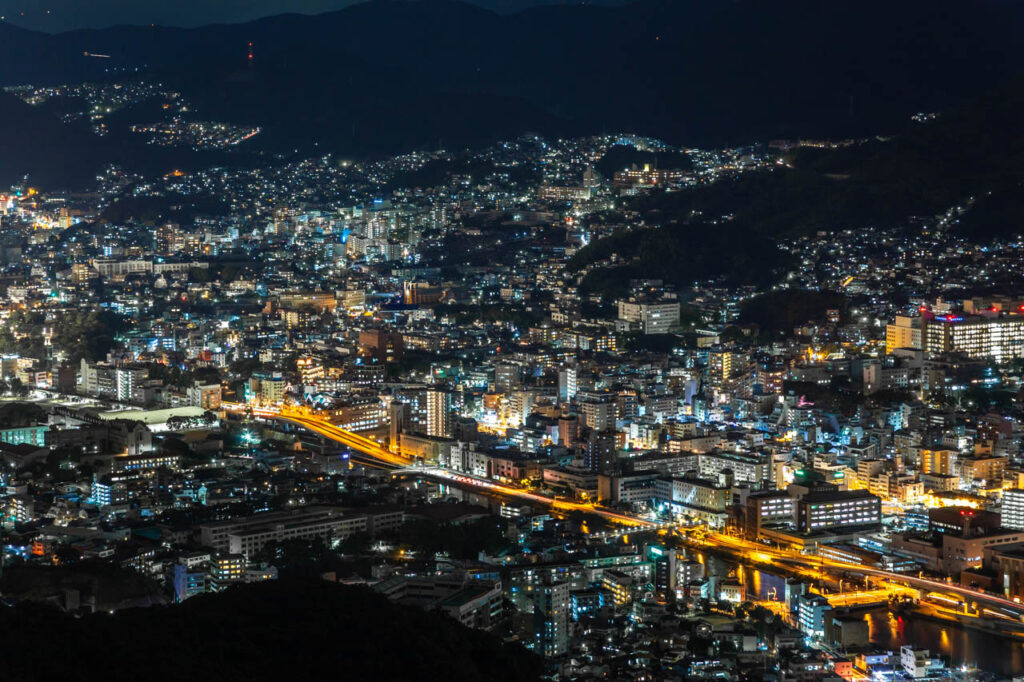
(320, 425)
(863, 597)
(828, 566)
(751, 551)
(556, 504)
(325, 428)
(347, 438)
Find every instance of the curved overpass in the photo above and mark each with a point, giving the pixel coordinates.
(757, 552)
(372, 449)
(829, 565)
(322, 426)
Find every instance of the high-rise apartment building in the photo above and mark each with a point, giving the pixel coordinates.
(599, 452)
(551, 618)
(567, 384)
(439, 413)
(266, 388)
(129, 383)
(937, 462)
(206, 396)
(1013, 509)
(506, 377)
(598, 413)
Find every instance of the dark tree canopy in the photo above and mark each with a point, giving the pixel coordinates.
(279, 630)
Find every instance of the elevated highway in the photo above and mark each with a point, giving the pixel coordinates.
(984, 605)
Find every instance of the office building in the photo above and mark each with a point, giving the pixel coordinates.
(247, 535)
(650, 317)
(693, 498)
(775, 508)
(838, 510)
(991, 336)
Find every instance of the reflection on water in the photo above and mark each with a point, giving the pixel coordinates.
(989, 652)
(455, 493)
(961, 645)
(759, 586)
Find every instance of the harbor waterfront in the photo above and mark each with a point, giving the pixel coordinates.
(958, 645)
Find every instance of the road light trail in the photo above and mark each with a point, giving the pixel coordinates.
(755, 551)
(322, 426)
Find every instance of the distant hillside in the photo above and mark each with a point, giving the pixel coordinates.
(729, 229)
(37, 144)
(976, 150)
(680, 253)
(269, 631)
(390, 75)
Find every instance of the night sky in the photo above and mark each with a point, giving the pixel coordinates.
(60, 15)
(63, 15)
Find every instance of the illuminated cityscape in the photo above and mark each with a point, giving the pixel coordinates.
(489, 389)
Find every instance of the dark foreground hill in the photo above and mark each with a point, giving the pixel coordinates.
(269, 631)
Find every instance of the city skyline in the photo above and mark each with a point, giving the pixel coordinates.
(414, 340)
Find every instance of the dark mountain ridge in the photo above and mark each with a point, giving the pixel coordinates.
(56, 16)
(671, 66)
(392, 75)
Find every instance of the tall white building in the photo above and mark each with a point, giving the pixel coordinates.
(567, 384)
(812, 609)
(1013, 509)
(129, 383)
